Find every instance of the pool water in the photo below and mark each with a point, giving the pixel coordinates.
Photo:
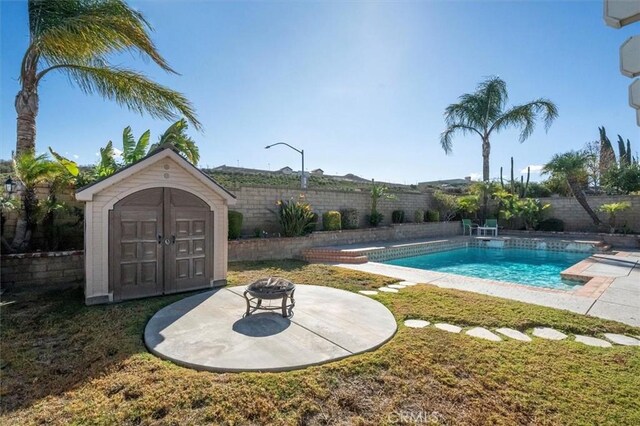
(539, 268)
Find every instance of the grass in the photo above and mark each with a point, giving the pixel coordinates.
(64, 363)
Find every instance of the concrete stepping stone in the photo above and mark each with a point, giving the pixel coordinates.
(387, 290)
(548, 333)
(407, 283)
(448, 327)
(621, 339)
(592, 341)
(416, 323)
(483, 333)
(396, 286)
(514, 334)
(368, 292)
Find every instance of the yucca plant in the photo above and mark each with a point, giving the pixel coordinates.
(77, 37)
(295, 217)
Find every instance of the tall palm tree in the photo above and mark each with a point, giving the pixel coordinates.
(571, 166)
(483, 112)
(76, 37)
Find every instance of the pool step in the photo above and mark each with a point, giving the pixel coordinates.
(326, 255)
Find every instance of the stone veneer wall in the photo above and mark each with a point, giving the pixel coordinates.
(287, 248)
(29, 270)
(576, 219)
(258, 203)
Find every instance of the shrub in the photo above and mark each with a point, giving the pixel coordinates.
(612, 209)
(235, 224)
(331, 221)
(350, 218)
(313, 225)
(397, 216)
(551, 224)
(375, 218)
(295, 217)
(418, 216)
(446, 204)
(432, 216)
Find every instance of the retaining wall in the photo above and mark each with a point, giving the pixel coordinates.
(42, 269)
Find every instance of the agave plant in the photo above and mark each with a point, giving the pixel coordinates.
(295, 217)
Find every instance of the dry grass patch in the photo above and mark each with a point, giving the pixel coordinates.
(71, 364)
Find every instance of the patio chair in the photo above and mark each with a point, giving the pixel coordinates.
(466, 223)
(491, 225)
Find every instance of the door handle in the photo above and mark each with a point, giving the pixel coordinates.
(173, 239)
(159, 239)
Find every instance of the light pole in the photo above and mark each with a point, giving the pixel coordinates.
(303, 179)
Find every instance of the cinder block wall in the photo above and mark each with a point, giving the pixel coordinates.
(576, 219)
(31, 270)
(258, 204)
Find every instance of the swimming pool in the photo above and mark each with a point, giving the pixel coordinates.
(538, 268)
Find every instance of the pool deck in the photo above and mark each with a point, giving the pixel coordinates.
(611, 290)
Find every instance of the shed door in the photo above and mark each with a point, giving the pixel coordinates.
(161, 242)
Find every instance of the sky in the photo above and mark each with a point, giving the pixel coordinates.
(360, 86)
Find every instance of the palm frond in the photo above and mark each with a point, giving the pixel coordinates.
(69, 166)
(524, 117)
(33, 169)
(132, 90)
(446, 137)
(72, 31)
(176, 135)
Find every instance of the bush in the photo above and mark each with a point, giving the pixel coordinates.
(418, 216)
(350, 218)
(312, 225)
(432, 216)
(375, 218)
(331, 221)
(551, 224)
(235, 224)
(397, 216)
(295, 217)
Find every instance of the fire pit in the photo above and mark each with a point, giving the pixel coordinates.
(270, 289)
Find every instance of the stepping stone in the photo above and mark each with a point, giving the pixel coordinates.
(396, 286)
(368, 292)
(592, 341)
(449, 327)
(621, 339)
(514, 334)
(416, 323)
(387, 290)
(548, 333)
(406, 283)
(483, 333)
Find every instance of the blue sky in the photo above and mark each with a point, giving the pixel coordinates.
(360, 86)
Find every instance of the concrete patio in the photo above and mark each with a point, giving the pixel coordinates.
(208, 332)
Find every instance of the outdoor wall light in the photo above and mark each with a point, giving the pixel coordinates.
(9, 186)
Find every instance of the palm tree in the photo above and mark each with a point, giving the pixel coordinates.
(176, 135)
(31, 171)
(77, 37)
(483, 112)
(571, 166)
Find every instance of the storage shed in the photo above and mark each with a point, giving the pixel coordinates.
(156, 227)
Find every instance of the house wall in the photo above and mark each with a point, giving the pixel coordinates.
(258, 204)
(166, 173)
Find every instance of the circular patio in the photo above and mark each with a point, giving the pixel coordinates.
(208, 332)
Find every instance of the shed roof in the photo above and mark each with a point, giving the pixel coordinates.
(164, 151)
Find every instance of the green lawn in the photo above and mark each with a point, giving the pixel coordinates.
(64, 363)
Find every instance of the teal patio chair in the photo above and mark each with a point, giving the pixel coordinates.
(491, 225)
(466, 224)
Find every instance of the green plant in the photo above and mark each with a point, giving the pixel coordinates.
(432, 216)
(331, 221)
(612, 209)
(622, 179)
(235, 224)
(378, 192)
(350, 218)
(418, 216)
(295, 217)
(445, 204)
(483, 113)
(552, 224)
(78, 38)
(531, 211)
(571, 166)
(397, 216)
(468, 205)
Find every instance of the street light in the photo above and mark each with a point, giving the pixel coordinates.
(303, 180)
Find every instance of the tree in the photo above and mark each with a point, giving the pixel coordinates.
(483, 112)
(77, 37)
(378, 192)
(607, 155)
(571, 166)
